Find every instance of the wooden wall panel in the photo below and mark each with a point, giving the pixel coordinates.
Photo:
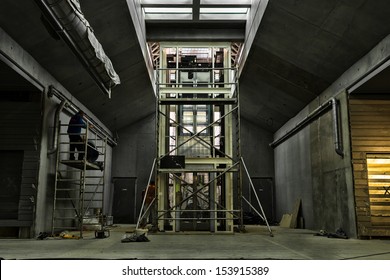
(370, 136)
(20, 131)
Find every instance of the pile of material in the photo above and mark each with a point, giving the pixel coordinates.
(135, 238)
(340, 233)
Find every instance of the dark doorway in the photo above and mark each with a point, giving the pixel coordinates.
(124, 207)
(11, 163)
(264, 187)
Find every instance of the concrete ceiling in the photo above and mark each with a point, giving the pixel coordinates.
(301, 47)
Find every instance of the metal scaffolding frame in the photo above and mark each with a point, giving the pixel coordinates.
(78, 199)
(223, 165)
(230, 98)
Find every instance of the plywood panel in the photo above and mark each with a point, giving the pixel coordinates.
(370, 135)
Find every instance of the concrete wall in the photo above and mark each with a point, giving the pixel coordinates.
(259, 159)
(256, 152)
(306, 165)
(255, 149)
(308, 168)
(135, 153)
(252, 24)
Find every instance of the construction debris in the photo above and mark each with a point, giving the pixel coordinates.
(67, 235)
(42, 235)
(340, 233)
(135, 238)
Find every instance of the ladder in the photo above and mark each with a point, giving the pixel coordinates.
(79, 184)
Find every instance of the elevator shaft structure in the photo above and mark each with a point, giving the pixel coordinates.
(198, 139)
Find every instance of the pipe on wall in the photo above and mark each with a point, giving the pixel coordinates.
(338, 145)
(331, 103)
(56, 127)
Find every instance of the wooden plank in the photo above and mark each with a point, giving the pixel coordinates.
(372, 149)
(380, 220)
(358, 155)
(365, 138)
(359, 161)
(360, 174)
(379, 209)
(379, 232)
(373, 118)
(365, 224)
(382, 193)
(363, 216)
(379, 111)
(285, 222)
(363, 188)
(370, 132)
(80, 164)
(360, 182)
(362, 205)
(361, 192)
(372, 143)
(363, 198)
(359, 167)
(295, 212)
(369, 102)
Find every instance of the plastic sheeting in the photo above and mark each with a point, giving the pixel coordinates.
(69, 14)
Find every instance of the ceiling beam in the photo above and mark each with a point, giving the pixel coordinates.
(195, 10)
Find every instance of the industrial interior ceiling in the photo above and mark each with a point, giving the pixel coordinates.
(300, 48)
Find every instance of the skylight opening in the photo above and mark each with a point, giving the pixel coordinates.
(222, 16)
(163, 2)
(186, 10)
(224, 10)
(225, 2)
(168, 10)
(223, 13)
(168, 16)
(168, 13)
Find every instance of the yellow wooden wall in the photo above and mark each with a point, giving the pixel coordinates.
(370, 138)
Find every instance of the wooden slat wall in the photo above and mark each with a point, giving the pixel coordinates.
(378, 167)
(370, 135)
(20, 131)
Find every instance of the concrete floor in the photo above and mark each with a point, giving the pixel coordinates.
(256, 243)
